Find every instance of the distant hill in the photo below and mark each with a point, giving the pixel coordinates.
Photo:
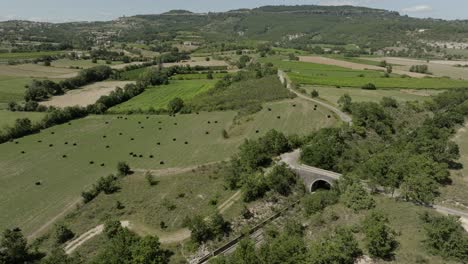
(289, 25)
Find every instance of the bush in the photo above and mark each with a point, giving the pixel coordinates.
(112, 228)
(337, 247)
(380, 238)
(357, 198)
(314, 93)
(123, 168)
(316, 202)
(175, 105)
(63, 234)
(281, 179)
(369, 86)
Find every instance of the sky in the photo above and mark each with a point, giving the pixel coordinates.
(94, 10)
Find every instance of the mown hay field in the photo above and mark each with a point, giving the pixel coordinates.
(67, 63)
(329, 75)
(184, 141)
(159, 96)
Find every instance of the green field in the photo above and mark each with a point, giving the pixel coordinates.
(328, 75)
(12, 89)
(63, 179)
(67, 63)
(7, 118)
(27, 55)
(159, 96)
(197, 76)
(332, 94)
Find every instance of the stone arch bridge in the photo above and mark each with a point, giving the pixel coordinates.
(313, 178)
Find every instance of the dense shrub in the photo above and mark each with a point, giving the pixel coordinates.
(316, 202)
(419, 69)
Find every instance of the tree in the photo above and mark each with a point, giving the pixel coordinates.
(219, 226)
(149, 251)
(244, 253)
(380, 238)
(324, 150)
(389, 69)
(150, 178)
(445, 237)
(123, 168)
(175, 105)
(314, 93)
(389, 102)
(284, 249)
(338, 247)
(200, 231)
(209, 76)
(118, 250)
(357, 198)
(281, 179)
(63, 234)
(14, 248)
(58, 256)
(345, 102)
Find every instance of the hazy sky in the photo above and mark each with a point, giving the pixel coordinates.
(78, 10)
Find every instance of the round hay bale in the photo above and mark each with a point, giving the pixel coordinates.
(142, 127)
(66, 143)
(159, 143)
(39, 141)
(294, 105)
(120, 133)
(329, 116)
(209, 122)
(175, 124)
(257, 131)
(160, 128)
(69, 124)
(159, 122)
(315, 106)
(139, 122)
(162, 162)
(52, 133)
(102, 164)
(104, 136)
(64, 156)
(141, 156)
(107, 146)
(74, 144)
(151, 156)
(91, 162)
(216, 122)
(132, 139)
(107, 123)
(51, 145)
(131, 153)
(125, 118)
(16, 142)
(38, 183)
(135, 155)
(279, 117)
(186, 142)
(269, 109)
(174, 139)
(207, 133)
(22, 152)
(147, 117)
(197, 113)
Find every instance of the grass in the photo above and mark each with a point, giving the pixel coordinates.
(332, 94)
(133, 75)
(197, 76)
(328, 75)
(7, 118)
(63, 179)
(159, 96)
(67, 63)
(27, 55)
(354, 60)
(12, 89)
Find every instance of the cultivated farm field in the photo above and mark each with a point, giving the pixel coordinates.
(36, 71)
(86, 95)
(330, 75)
(67, 63)
(159, 96)
(332, 94)
(5, 57)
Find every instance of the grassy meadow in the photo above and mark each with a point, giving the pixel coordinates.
(328, 75)
(7, 118)
(63, 178)
(332, 94)
(27, 55)
(67, 63)
(159, 96)
(12, 89)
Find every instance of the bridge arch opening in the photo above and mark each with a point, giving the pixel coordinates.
(320, 185)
